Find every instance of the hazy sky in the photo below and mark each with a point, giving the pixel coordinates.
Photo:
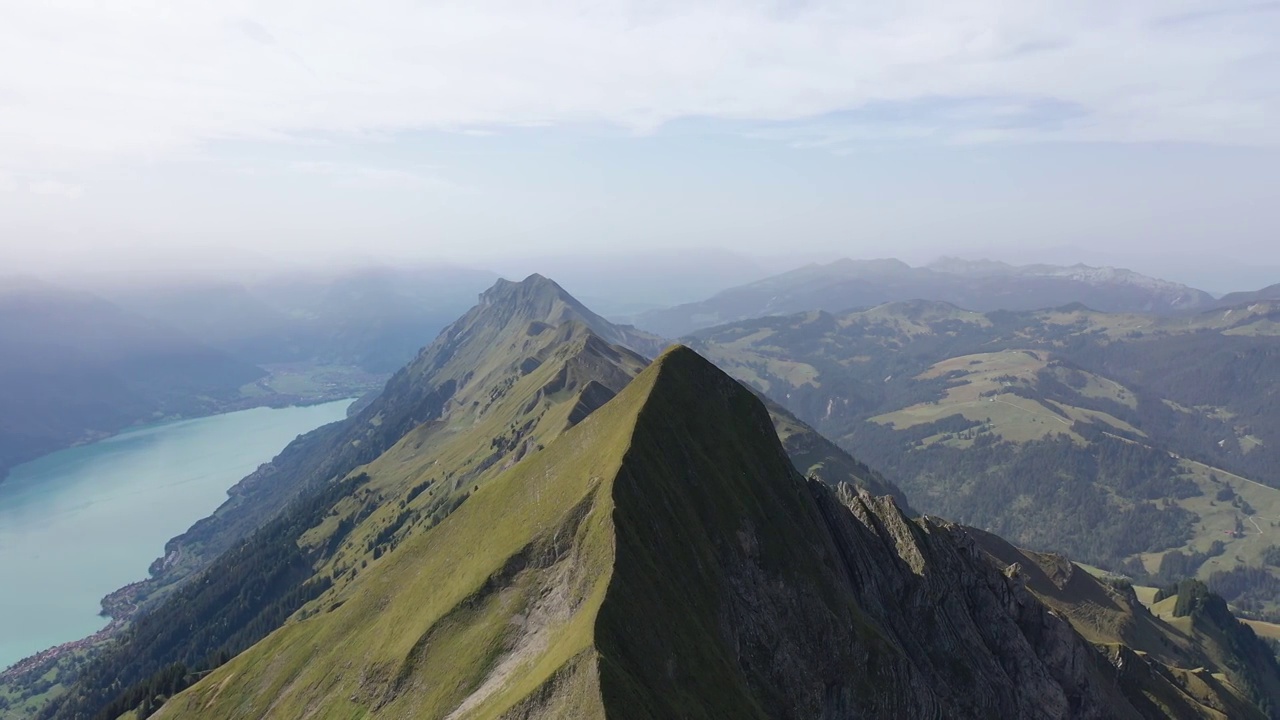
(241, 131)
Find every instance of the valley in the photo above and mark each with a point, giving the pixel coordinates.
(1069, 429)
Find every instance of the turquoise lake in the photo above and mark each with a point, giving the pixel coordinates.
(80, 523)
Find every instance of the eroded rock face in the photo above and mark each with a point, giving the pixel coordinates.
(916, 618)
(935, 629)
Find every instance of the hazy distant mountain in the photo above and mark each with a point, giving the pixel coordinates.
(374, 318)
(974, 285)
(1269, 293)
(74, 366)
(625, 283)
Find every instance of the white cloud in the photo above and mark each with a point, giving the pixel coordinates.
(55, 187)
(82, 81)
(372, 177)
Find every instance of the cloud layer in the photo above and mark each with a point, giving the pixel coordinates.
(82, 82)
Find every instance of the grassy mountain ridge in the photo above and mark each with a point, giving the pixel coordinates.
(472, 357)
(1269, 293)
(664, 559)
(496, 387)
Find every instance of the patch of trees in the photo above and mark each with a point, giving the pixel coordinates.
(1249, 588)
(415, 491)
(1099, 504)
(1271, 555)
(1239, 373)
(1176, 565)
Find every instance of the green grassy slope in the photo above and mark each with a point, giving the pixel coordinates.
(516, 384)
(504, 603)
(510, 581)
(496, 388)
(1117, 438)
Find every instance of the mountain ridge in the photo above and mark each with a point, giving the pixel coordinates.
(973, 285)
(664, 559)
(490, 392)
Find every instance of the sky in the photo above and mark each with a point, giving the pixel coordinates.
(242, 132)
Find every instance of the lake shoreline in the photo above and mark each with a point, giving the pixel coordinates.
(178, 472)
(277, 401)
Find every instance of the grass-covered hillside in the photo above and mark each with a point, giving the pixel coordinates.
(496, 388)
(1146, 444)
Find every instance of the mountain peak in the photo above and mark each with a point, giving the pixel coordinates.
(534, 286)
(960, 266)
(683, 360)
(875, 266)
(538, 299)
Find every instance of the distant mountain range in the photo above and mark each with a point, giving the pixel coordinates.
(374, 318)
(973, 285)
(535, 521)
(80, 365)
(75, 367)
(1266, 294)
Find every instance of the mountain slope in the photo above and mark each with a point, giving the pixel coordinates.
(1124, 440)
(1212, 676)
(983, 286)
(455, 382)
(495, 388)
(1271, 293)
(663, 559)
